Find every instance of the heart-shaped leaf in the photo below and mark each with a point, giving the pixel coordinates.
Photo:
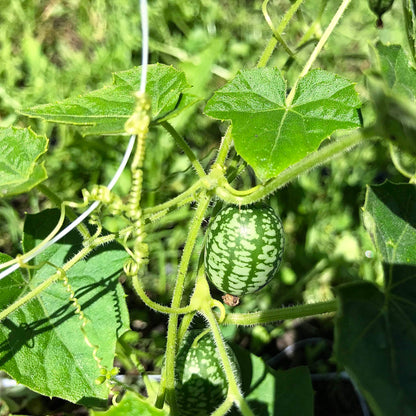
(270, 134)
(105, 111)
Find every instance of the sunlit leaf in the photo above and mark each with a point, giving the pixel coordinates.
(106, 110)
(42, 345)
(20, 169)
(272, 135)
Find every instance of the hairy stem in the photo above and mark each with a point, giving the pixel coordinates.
(276, 33)
(268, 51)
(224, 407)
(309, 162)
(40, 288)
(318, 48)
(154, 305)
(168, 378)
(224, 148)
(180, 200)
(233, 388)
(180, 141)
(273, 315)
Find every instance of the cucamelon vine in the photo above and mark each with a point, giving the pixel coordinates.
(244, 248)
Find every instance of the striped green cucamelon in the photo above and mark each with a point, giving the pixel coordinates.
(244, 248)
(379, 7)
(200, 382)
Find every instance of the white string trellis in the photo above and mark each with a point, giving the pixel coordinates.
(130, 146)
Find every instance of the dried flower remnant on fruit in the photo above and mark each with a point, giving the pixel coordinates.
(231, 300)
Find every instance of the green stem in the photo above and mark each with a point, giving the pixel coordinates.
(276, 33)
(186, 321)
(69, 213)
(318, 48)
(224, 148)
(224, 408)
(46, 283)
(168, 378)
(309, 162)
(233, 388)
(273, 315)
(180, 200)
(243, 406)
(226, 185)
(268, 51)
(38, 248)
(180, 141)
(409, 28)
(154, 305)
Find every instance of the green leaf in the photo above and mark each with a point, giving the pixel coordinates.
(271, 135)
(37, 176)
(132, 404)
(393, 92)
(395, 69)
(20, 153)
(42, 345)
(375, 331)
(409, 14)
(105, 111)
(389, 216)
(12, 286)
(375, 341)
(269, 392)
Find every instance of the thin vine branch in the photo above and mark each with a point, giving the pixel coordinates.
(309, 162)
(233, 387)
(46, 283)
(182, 144)
(318, 48)
(274, 315)
(153, 213)
(167, 384)
(271, 45)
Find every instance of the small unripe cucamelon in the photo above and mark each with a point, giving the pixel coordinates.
(201, 385)
(244, 248)
(379, 7)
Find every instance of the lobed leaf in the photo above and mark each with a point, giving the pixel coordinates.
(20, 169)
(375, 330)
(269, 392)
(272, 135)
(393, 92)
(105, 111)
(41, 343)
